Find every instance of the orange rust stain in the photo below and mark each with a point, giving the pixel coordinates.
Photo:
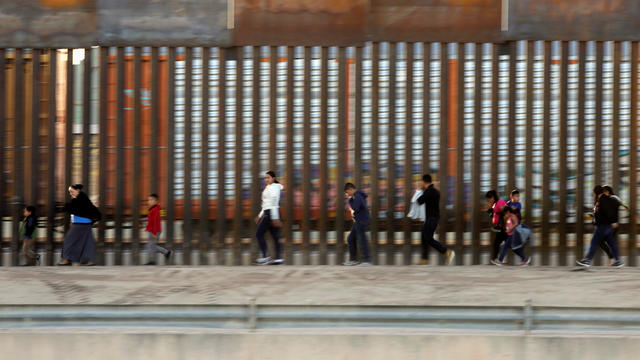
(573, 62)
(555, 62)
(63, 4)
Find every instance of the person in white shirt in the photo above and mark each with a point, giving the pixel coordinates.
(269, 219)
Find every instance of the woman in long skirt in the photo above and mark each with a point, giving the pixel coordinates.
(79, 244)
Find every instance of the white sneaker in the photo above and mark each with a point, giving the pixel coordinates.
(350, 263)
(263, 260)
(365, 264)
(277, 262)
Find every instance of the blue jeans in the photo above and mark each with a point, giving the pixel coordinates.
(265, 225)
(428, 229)
(507, 244)
(603, 233)
(358, 237)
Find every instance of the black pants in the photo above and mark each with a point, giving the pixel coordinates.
(497, 241)
(428, 229)
(358, 239)
(605, 246)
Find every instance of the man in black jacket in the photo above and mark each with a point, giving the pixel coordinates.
(606, 215)
(431, 199)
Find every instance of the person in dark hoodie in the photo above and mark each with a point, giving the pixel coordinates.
(28, 227)
(606, 215)
(357, 236)
(431, 200)
(79, 244)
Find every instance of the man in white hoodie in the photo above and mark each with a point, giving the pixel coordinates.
(269, 219)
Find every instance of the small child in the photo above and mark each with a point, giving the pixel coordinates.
(510, 223)
(514, 201)
(28, 227)
(154, 228)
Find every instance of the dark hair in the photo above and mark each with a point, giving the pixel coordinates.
(598, 189)
(426, 178)
(508, 209)
(31, 209)
(515, 192)
(155, 196)
(491, 194)
(608, 189)
(273, 175)
(348, 186)
(77, 186)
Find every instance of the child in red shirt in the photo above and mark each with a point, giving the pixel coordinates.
(154, 228)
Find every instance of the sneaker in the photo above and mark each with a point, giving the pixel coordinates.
(263, 260)
(166, 256)
(423, 262)
(449, 256)
(584, 262)
(350, 263)
(618, 264)
(151, 263)
(497, 262)
(526, 262)
(365, 263)
(277, 262)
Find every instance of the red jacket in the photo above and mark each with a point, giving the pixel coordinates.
(154, 224)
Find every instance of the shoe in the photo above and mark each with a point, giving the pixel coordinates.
(365, 263)
(88, 264)
(277, 262)
(449, 256)
(64, 264)
(423, 262)
(350, 263)
(618, 264)
(526, 262)
(584, 262)
(166, 256)
(151, 263)
(497, 262)
(263, 261)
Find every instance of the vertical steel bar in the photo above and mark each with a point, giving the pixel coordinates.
(187, 234)
(237, 198)
(374, 173)
(546, 189)
(3, 142)
(137, 122)
(357, 129)
(51, 144)
(18, 161)
(35, 126)
(102, 178)
(68, 141)
(120, 134)
(495, 92)
(444, 145)
(86, 119)
(340, 166)
(615, 118)
(306, 158)
(460, 212)
(255, 145)
(597, 169)
(273, 105)
(155, 104)
(324, 173)
(171, 95)
(408, 159)
(222, 168)
(563, 173)
(426, 107)
(580, 228)
(633, 164)
(511, 169)
(204, 155)
(391, 158)
(477, 159)
(289, 174)
(528, 188)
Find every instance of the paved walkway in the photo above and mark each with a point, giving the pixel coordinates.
(327, 285)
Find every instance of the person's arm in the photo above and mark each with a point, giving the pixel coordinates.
(30, 226)
(422, 198)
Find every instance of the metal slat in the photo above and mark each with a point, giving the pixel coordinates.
(154, 104)
(18, 160)
(357, 143)
(633, 163)
(306, 159)
(137, 123)
(426, 116)
(597, 169)
(495, 60)
(477, 159)
(4, 211)
(528, 188)
(580, 228)
(68, 143)
(513, 58)
(563, 173)
(615, 119)
(374, 172)
(255, 145)
(237, 198)
(391, 158)
(35, 128)
(187, 234)
(324, 148)
(51, 145)
(203, 243)
(222, 106)
(288, 243)
(171, 95)
(408, 165)
(86, 119)
(120, 124)
(444, 145)
(102, 179)
(459, 195)
(273, 110)
(340, 166)
(546, 189)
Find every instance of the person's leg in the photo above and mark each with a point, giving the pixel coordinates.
(159, 248)
(497, 241)
(263, 225)
(595, 242)
(520, 253)
(425, 242)
(363, 242)
(607, 249)
(433, 225)
(505, 246)
(609, 237)
(352, 243)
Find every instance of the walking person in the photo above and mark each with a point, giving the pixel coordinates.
(608, 190)
(30, 258)
(511, 222)
(430, 198)
(79, 244)
(269, 220)
(357, 236)
(606, 215)
(154, 228)
(496, 206)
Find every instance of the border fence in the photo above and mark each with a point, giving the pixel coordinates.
(200, 126)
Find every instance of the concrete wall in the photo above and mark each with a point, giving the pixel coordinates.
(309, 346)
